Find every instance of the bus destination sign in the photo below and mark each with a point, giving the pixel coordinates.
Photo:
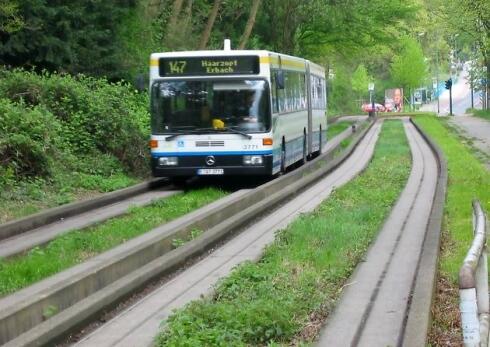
(186, 66)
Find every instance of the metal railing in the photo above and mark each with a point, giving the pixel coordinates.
(473, 285)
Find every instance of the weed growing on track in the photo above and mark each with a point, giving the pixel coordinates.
(302, 273)
(468, 179)
(79, 245)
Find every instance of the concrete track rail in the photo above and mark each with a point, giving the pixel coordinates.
(53, 215)
(381, 296)
(139, 324)
(82, 292)
(36, 237)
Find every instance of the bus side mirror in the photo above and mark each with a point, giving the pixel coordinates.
(280, 79)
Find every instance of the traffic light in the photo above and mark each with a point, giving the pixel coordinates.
(449, 83)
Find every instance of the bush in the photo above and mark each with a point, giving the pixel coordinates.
(94, 116)
(29, 140)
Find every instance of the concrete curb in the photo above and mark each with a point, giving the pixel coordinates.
(419, 314)
(54, 214)
(82, 292)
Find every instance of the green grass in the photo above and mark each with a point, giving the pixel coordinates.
(485, 114)
(336, 128)
(32, 195)
(301, 274)
(468, 179)
(79, 245)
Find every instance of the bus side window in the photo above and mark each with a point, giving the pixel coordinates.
(275, 99)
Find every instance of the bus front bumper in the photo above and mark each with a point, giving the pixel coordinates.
(227, 165)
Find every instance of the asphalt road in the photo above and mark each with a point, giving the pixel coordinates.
(461, 94)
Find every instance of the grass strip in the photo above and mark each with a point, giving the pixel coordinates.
(336, 128)
(29, 196)
(301, 274)
(78, 245)
(485, 114)
(468, 179)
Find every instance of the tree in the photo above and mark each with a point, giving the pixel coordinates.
(10, 20)
(209, 25)
(76, 36)
(360, 80)
(408, 68)
(472, 17)
(250, 24)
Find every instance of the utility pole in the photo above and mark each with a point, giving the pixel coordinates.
(437, 79)
(371, 97)
(449, 85)
(471, 86)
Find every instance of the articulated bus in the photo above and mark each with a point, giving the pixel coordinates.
(234, 112)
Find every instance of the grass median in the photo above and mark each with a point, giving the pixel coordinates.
(468, 179)
(300, 276)
(77, 246)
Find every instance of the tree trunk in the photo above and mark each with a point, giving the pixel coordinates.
(152, 9)
(487, 84)
(209, 25)
(250, 24)
(175, 14)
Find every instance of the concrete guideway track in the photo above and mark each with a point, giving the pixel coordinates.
(374, 308)
(42, 235)
(83, 292)
(139, 324)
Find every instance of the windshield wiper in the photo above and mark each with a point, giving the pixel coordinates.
(191, 131)
(238, 132)
(206, 130)
(180, 132)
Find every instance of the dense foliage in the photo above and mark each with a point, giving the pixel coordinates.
(74, 36)
(53, 123)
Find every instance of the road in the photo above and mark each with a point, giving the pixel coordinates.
(461, 97)
(473, 128)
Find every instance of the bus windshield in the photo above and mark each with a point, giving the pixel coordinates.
(240, 105)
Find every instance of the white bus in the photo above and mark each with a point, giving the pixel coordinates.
(234, 112)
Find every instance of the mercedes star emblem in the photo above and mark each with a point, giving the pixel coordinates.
(210, 160)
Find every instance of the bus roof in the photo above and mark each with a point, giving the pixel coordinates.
(275, 60)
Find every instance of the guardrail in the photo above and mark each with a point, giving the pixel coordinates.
(473, 285)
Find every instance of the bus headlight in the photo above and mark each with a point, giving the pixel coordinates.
(167, 161)
(253, 160)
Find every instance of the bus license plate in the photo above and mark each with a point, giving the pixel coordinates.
(210, 171)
